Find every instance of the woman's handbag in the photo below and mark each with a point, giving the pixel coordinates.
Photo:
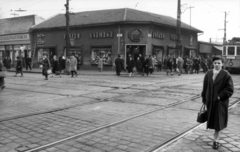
(202, 114)
(2, 74)
(49, 71)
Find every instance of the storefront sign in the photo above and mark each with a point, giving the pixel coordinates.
(98, 35)
(73, 36)
(40, 37)
(17, 37)
(157, 35)
(135, 35)
(173, 37)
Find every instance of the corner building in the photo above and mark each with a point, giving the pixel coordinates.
(108, 33)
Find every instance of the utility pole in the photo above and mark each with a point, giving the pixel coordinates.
(190, 13)
(225, 35)
(178, 31)
(225, 28)
(67, 27)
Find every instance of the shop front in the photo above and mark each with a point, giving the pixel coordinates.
(15, 45)
(90, 42)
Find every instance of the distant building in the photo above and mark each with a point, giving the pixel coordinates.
(15, 37)
(108, 33)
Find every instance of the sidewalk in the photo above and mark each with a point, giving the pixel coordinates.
(87, 72)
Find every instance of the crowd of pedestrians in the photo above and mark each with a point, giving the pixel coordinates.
(148, 64)
(143, 65)
(67, 65)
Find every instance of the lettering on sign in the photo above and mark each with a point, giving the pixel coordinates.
(17, 37)
(174, 37)
(40, 38)
(99, 35)
(73, 36)
(157, 35)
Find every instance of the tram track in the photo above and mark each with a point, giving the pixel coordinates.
(89, 132)
(170, 141)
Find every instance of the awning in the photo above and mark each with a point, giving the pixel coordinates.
(220, 48)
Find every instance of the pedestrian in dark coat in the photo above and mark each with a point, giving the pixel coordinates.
(45, 66)
(19, 66)
(2, 82)
(28, 63)
(55, 66)
(145, 66)
(170, 64)
(139, 65)
(119, 65)
(217, 89)
(131, 65)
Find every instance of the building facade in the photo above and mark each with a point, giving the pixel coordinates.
(107, 33)
(14, 36)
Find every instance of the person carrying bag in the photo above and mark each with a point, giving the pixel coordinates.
(202, 114)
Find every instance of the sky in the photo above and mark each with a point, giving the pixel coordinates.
(206, 15)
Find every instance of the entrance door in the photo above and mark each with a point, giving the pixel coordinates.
(135, 50)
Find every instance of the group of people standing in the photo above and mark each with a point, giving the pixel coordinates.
(143, 65)
(189, 65)
(68, 65)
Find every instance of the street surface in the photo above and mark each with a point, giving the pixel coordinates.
(103, 112)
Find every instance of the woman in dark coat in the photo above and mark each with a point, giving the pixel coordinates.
(217, 89)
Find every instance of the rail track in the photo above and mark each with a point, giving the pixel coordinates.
(89, 132)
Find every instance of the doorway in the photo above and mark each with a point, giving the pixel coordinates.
(134, 51)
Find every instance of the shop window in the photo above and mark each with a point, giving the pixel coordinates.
(42, 52)
(238, 50)
(105, 53)
(157, 53)
(77, 52)
(231, 50)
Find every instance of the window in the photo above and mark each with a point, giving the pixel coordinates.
(104, 52)
(41, 52)
(238, 50)
(231, 50)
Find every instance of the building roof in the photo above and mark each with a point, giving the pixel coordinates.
(112, 16)
(18, 24)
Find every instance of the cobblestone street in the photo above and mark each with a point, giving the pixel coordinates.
(106, 113)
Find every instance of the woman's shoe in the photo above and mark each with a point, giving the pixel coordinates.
(215, 145)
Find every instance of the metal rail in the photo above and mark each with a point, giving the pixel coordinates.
(108, 125)
(160, 147)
